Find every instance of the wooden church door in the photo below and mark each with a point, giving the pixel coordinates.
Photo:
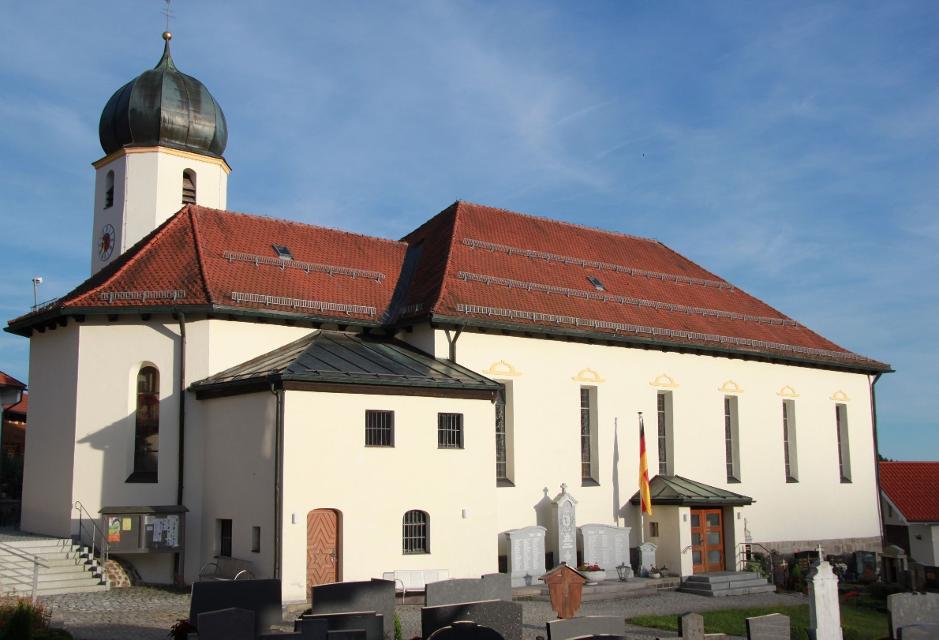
(707, 540)
(322, 547)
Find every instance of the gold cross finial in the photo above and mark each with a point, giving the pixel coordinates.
(168, 13)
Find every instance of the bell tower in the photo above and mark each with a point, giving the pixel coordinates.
(163, 136)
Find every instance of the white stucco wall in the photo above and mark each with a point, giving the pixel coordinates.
(326, 465)
(924, 543)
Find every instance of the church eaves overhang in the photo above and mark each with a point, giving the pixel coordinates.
(680, 491)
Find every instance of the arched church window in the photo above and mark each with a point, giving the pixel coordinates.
(415, 538)
(189, 186)
(109, 190)
(147, 428)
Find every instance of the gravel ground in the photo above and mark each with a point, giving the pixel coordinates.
(146, 613)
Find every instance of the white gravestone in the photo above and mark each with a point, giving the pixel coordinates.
(526, 555)
(824, 610)
(564, 525)
(605, 545)
(646, 557)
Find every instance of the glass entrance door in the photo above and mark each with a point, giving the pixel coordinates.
(707, 540)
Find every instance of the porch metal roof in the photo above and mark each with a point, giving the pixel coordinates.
(676, 490)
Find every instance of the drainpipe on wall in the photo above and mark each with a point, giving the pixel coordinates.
(278, 466)
(179, 558)
(880, 515)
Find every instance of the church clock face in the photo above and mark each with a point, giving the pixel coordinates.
(106, 242)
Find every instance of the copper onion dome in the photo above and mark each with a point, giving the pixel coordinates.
(164, 107)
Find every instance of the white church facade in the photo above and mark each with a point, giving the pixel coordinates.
(331, 406)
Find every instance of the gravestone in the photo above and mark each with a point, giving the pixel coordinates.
(346, 634)
(774, 626)
(226, 624)
(261, 596)
(824, 609)
(646, 557)
(492, 586)
(691, 626)
(922, 631)
(311, 628)
(504, 617)
(564, 528)
(366, 595)
(912, 608)
(465, 630)
(279, 635)
(368, 621)
(605, 545)
(586, 626)
(526, 555)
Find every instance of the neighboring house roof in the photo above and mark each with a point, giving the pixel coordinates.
(469, 265)
(676, 490)
(9, 381)
(325, 359)
(17, 411)
(913, 488)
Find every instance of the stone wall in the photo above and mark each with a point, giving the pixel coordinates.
(120, 573)
(829, 547)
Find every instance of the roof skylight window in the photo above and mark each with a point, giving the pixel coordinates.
(282, 252)
(596, 283)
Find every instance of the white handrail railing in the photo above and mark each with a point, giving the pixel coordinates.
(8, 570)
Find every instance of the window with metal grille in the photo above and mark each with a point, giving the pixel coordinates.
(790, 457)
(379, 428)
(415, 536)
(731, 439)
(844, 450)
(147, 426)
(189, 186)
(663, 401)
(450, 430)
(109, 190)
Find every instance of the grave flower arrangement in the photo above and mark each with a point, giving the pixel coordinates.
(583, 567)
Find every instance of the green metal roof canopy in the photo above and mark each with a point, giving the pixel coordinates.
(676, 490)
(348, 363)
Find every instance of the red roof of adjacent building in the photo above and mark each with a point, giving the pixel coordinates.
(19, 409)
(10, 381)
(470, 264)
(913, 487)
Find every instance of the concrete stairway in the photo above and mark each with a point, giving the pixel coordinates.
(69, 567)
(726, 583)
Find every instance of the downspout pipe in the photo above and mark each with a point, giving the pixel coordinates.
(880, 516)
(178, 558)
(278, 466)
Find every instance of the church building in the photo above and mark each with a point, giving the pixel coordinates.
(322, 405)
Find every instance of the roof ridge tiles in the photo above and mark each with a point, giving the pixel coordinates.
(444, 278)
(200, 259)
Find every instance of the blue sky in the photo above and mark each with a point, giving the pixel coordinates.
(790, 147)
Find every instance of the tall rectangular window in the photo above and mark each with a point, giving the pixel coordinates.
(505, 468)
(663, 401)
(790, 454)
(588, 436)
(844, 450)
(731, 438)
(449, 430)
(224, 537)
(256, 539)
(379, 428)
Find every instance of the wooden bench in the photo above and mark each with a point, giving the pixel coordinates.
(414, 579)
(225, 568)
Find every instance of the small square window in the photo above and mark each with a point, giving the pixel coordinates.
(282, 252)
(653, 529)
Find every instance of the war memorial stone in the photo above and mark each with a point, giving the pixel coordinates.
(585, 626)
(492, 586)
(646, 557)
(263, 597)
(366, 595)
(774, 626)
(912, 609)
(605, 545)
(526, 548)
(226, 624)
(564, 528)
(504, 617)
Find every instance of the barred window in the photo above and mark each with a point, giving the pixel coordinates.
(415, 532)
(449, 430)
(379, 428)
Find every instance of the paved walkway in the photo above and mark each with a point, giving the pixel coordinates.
(145, 613)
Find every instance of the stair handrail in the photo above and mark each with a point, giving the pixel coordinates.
(96, 535)
(31, 558)
(770, 554)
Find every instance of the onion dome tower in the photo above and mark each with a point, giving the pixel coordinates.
(163, 135)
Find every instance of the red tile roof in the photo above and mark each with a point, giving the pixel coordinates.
(21, 407)
(475, 265)
(913, 487)
(10, 381)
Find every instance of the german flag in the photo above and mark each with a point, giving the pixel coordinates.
(644, 495)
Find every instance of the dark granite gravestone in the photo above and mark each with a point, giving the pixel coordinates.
(912, 608)
(279, 635)
(367, 595)
(346, 634)
(923, 631)
(504, 617)
(368, 621)
(260, 596)
(774, 626)
(586, 626)
(492, 586)
(226, 624)
(691, 626)
(311, 628)
(465, 631)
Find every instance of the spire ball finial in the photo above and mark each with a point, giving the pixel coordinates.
(167, 36)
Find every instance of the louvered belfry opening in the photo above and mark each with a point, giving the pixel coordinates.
(189, 187)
